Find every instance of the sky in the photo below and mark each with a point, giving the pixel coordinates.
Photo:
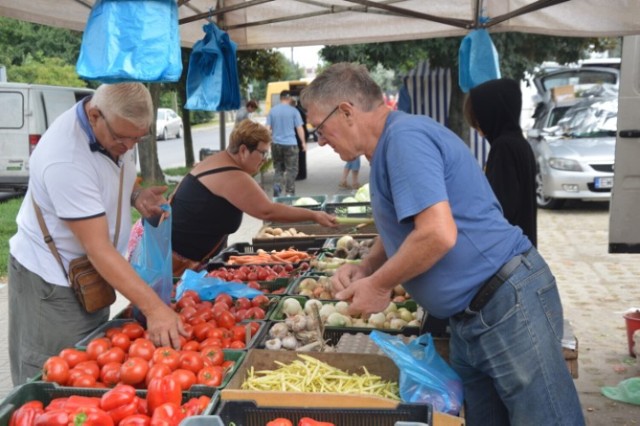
(306, 56)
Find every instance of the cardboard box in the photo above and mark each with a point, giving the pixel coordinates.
(563, 93)
(379, 365)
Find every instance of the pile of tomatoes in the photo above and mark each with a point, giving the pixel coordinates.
(119, 406)
(247, 273)
(125, 355)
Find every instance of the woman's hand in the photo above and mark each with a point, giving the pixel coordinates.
(149, 200)
(325, 219)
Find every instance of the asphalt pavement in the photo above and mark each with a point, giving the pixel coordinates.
(595, 287)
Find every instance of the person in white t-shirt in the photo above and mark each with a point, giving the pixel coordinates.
(75, 178)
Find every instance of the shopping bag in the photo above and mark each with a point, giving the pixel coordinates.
(477, 60)
(151, 258)
(627, 391)
(424, 376)
(128, 40)
(209, 287)
(212, 78)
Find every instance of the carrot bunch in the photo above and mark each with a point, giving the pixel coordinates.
(283, 256)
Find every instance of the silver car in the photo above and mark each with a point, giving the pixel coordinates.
(575, 153)
(168, 124)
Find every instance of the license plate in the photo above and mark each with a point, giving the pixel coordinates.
(603, 182)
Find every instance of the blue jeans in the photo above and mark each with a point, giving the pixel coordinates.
(509, 354)
(285, 164)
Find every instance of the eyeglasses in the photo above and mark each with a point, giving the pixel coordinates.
(118, 138)
(318, 128)
(263, 152)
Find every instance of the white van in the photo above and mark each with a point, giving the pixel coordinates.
(27, 110)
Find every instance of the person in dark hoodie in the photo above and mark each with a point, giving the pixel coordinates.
(493, 108)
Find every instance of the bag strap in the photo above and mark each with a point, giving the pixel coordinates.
(48, 239)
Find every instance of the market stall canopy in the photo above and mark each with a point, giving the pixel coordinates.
(258, 24)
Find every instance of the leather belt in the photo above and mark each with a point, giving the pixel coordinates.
(492, 285)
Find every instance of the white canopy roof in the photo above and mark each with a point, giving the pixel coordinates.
(256, 24)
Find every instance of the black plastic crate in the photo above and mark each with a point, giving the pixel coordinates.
(350, 209)
(46, 392)
(247, 413)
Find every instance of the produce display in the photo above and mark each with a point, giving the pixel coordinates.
(118, 406)
(309, 374)
(277, 232)
(290, 256)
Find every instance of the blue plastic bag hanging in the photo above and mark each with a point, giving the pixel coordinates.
(209, 287)
(424, 375)
(212, 78)
(477, 60)
(128, 40)
(151, 259)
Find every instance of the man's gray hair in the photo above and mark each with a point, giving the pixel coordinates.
(130, 101)
(343, 82)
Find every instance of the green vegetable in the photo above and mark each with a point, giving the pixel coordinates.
(305, 201)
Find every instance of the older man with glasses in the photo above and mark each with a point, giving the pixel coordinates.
(82, 171)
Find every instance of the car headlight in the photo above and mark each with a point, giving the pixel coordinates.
(565, 164)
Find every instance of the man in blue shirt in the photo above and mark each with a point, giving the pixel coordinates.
(285, 121)
(443, 235)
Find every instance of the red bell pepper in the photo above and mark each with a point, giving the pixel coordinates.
(167, 414)
(90, 416)
(280, 421)
(308, 421)
(56, 417)
(26, 414)
(161, 391)
(120, 402)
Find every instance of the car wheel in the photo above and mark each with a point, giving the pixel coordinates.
(179, 134)
(165, 134)
(543, 201)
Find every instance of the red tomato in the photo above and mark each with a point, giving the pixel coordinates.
(225, 298)
(136, 420)
(164, 390)
(168, 356)
(111, 331)
(191, 345)
(255, 313)
(157, 371)
(255, 327)
(211, 341)
(228, 365)
(82, 380)
(239, 332)
(133, 329)
(143, 348)
(193, 295)
(210, 376)
(134, 370)
(188, 312)
(73, 356)
(121, 340)
(226, 319)
(185, 378)
(243, 303)
(98, 346)
(111, 355)
(56, 370)
(184, 302)
(212, 355)
(261, 301)
(110, 373)
(90, 367)
(254, 285)
(191, 360)
(237, 344)
(201, 330)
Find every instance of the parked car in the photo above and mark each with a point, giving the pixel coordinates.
(168, 124)
(575, 154)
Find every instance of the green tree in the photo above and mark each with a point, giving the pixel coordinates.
(519, 53)
(47, 70)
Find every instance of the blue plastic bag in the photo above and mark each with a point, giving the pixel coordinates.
(212, 79)
(477, 60)
(152, 257)
(209, 287)
(127, 40)
(424, 375)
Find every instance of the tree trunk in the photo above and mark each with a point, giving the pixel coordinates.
(148, 150)
(457, 122)
(186, 118)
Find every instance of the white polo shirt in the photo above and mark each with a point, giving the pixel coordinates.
(69, 181)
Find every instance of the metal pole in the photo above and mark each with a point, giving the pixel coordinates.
(223, 131)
